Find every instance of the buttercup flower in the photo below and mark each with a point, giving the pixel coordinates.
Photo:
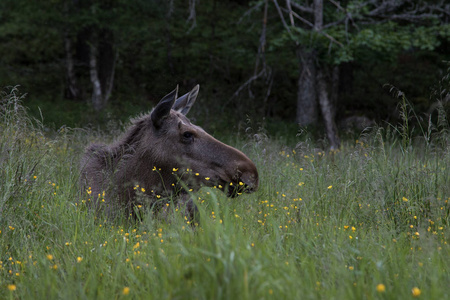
(12, 287)
(126, 291)
(416, 291)
(381, 288)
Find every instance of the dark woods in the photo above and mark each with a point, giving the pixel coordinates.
(314, 63)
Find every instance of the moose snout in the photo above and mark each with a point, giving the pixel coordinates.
(248, 175)
(244, 182)
(235, 172)
(250, 180)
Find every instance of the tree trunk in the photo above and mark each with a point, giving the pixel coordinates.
(307, 112)
(327, 105)
(318, 15)
(327, 109)
(72, 89)
(102, 60)
(97, 96)
(107, 63)
(334, 89)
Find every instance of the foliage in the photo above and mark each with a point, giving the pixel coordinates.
(362, 35)
(369, 221)
(157, 49)
(388, 40)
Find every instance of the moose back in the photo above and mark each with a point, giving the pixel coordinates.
(163, 155)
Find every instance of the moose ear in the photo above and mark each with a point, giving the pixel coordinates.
(162, 110)
(185, 102)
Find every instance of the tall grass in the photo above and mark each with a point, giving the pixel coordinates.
(370, 221)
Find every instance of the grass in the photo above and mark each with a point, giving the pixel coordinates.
(370, 221)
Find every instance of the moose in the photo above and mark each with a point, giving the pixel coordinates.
(162, 155)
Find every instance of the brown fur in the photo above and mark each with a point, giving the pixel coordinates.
(163, 153)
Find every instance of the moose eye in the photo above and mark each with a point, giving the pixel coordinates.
(188, 136)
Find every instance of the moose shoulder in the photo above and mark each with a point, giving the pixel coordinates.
(161, 155)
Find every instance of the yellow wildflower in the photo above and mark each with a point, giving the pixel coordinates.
(381, 288)
(12, 287)
(416, 291)
(126, 291)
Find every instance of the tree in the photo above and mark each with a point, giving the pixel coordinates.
(89, 25)
(95, 32)
(326, 34)
(101, 52)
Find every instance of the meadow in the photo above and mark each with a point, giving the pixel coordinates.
(370, 221)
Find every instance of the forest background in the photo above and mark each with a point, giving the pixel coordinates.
(326, 65)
